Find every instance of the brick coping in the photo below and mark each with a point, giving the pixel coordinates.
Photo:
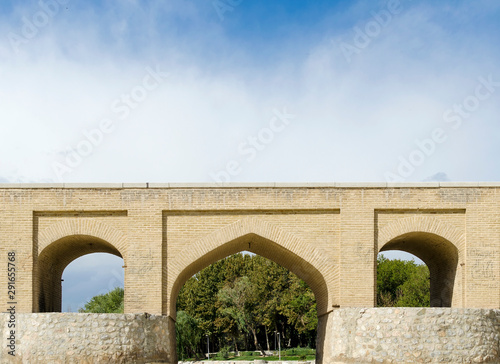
(248, 185)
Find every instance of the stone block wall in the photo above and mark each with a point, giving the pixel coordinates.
(414, 335)
(356, 335)
(67, 338)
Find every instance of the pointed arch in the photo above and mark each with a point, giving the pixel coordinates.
(262, 238)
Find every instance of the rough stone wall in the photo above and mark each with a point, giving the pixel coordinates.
(66, 338)
(414, 335)
(356, 335)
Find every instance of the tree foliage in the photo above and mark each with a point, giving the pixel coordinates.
(244, 300)
(188, 334)
(111, 302)
(299, 306)
(402, 283)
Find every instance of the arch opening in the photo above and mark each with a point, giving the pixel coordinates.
(52, 262)
(403, 280)
(89, 276)
(441, 257)
(243, 303)
(266, 248)
(272, 251)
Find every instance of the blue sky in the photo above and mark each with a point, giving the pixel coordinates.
(184, 90)
(363, 82)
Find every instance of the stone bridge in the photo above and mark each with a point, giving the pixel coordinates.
(327, 234)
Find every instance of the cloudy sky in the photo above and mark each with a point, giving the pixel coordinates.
(249, 91)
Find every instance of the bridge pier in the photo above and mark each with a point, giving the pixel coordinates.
(413, 335)
(78, 338)
(347, 335)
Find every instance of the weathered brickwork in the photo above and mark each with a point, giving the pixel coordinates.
(329, 235)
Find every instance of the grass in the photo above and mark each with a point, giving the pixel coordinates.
(296, 354)
(267, 358)
(296, 357)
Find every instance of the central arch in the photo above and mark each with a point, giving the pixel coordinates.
(259, 237)
(254, 235)
(266, 248)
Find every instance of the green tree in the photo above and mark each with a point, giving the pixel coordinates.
(188, 335)
(402, 283)
(299, 307)
(415, 292)
(198, 296)
(239, 301)
(271, 281)
(111, 302)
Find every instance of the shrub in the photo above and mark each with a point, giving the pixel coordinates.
(223, 353)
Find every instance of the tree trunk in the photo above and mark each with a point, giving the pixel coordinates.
(267, 339)
(235, 345)
(283, 337)
(256, 342)
(194, 353)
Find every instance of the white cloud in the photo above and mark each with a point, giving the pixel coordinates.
(354, 120)
(89, 276)
(372, 109)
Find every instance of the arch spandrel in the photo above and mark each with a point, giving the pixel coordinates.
(82, 227)
(262, 238)
(423, 224)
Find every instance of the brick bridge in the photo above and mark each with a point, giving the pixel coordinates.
(327, 234)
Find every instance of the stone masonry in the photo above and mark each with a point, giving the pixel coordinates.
(72, 338)
(415, 335)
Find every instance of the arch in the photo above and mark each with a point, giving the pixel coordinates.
(423, 224)
(262, 238)
(58, 246)
(438, 245)
(88, 227)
